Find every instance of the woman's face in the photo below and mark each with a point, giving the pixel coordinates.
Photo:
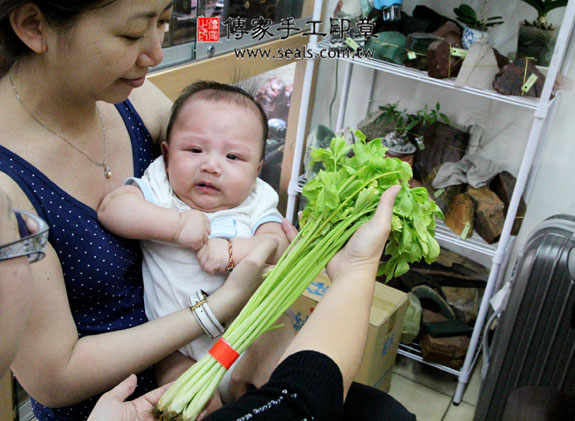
(15, 290)
(108, 52)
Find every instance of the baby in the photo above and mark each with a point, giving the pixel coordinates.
(199, 208)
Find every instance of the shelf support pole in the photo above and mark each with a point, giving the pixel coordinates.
(302, 120)
(344, 96)
(522, 176)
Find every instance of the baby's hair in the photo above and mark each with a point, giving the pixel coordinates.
(218, 92)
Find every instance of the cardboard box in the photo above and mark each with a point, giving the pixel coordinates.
(386, 317)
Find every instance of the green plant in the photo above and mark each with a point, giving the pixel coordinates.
(467, 15)
(403, 122)
(391, 113)
(428, 116)
(543, 7)
(400, 120)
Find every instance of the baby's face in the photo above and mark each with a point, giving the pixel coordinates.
(214, 155)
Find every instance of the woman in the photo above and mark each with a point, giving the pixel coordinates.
(63, 147)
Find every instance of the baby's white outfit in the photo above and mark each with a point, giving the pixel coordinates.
(172, 273)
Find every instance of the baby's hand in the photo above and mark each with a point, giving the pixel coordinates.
(194, 230)
(213, 256)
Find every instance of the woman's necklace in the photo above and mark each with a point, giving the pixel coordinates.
(103, 163)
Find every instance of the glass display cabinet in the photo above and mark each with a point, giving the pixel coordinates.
(182, 27)
(180, 36)
(241, 23)
(244, 23)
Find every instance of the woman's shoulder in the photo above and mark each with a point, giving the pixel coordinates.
(153, 107)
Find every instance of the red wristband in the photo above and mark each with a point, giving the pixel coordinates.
(224, 353)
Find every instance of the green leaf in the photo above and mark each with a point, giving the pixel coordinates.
(324, 156)
(328, 198)
(444, 118)
(313, 188)
(361, 153)
(434, 249)
(359, 134)
(403, 205)
(395, 223)
(402, 268)
(406, 238)
(339, 149)
(380, 269)
(406, 171)
(411, 125)
(465, 11)
(365, 198)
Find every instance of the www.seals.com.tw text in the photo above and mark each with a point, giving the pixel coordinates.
(301, 53)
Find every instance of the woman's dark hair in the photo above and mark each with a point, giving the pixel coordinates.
(60, 14)
(219, 92)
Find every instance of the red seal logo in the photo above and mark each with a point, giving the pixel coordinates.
(208, 29)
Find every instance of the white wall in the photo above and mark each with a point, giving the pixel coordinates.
(506, 128)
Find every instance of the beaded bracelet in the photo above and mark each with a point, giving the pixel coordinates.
(231, 257)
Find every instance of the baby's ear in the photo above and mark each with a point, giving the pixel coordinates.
(165, 152)
(260, 166)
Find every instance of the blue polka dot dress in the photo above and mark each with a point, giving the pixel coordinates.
(102, 272)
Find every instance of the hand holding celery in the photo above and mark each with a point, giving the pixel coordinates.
(340, 199)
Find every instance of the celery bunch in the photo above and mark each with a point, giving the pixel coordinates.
(339, 200)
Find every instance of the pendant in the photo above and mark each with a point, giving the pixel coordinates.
(107, 172)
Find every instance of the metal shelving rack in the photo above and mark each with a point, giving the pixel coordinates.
(496, 255)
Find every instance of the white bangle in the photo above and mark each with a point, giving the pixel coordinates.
(204, 315)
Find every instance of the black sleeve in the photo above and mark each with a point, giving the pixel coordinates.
(306, 385)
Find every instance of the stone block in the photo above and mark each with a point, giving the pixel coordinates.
(502, 185)
(513, 76)
(489, 213)
(440, 63)
(461, 214)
